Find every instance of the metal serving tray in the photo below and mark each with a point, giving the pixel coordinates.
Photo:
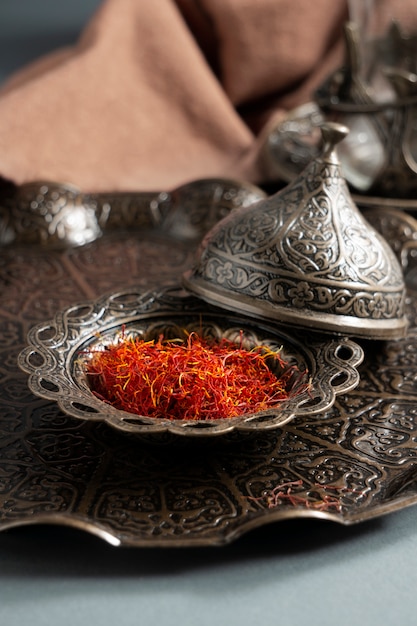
(354, 462)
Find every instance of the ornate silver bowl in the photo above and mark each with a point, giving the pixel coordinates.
(305, 256)
(55, 359)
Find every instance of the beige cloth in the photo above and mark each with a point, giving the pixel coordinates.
(156, 94)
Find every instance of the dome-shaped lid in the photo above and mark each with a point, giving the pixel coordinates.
(305, 256)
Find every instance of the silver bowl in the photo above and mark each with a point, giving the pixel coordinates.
(55, 359)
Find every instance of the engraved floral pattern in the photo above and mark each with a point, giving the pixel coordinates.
(146, 492)
(301, 294)
(224, 272)
(310, 250)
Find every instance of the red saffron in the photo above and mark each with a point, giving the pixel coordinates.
(320, 501)
(194, 379)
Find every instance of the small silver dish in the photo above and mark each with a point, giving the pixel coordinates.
(305, 256)
(56, 354)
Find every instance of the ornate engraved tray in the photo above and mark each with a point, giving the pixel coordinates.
(353, 462)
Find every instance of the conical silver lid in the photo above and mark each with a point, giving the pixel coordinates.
(305, 256)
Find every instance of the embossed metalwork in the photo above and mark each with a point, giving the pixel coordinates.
(60, 215)
(400, 229)
(292, 143)
(378, 101)
(56, 366)
(61, 470)
(305, 256)
(376, 98)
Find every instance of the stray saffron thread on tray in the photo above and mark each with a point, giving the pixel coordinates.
(287, 493)
(194, 379)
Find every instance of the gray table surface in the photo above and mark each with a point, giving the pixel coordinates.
(295, 572)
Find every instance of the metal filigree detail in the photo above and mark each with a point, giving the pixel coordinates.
(400, 229)
(291, 144)
(59, 215)
(57, 368)
(186, 492)
(307, 256)
(376, 97)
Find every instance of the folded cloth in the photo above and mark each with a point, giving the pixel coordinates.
(156, 94)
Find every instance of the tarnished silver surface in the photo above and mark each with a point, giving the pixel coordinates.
(56, 366)
(305, 256)
(60, 215)
(292, 143)
(57, 469)
(378, 101)
(60, 470)
(374, 94)
(399, 229)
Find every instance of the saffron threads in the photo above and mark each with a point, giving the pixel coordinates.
(194, 379)
(291, 493)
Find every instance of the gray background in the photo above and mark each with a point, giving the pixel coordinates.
(290, 573)
(31, 28)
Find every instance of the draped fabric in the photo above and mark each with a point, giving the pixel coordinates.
(155, 94)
